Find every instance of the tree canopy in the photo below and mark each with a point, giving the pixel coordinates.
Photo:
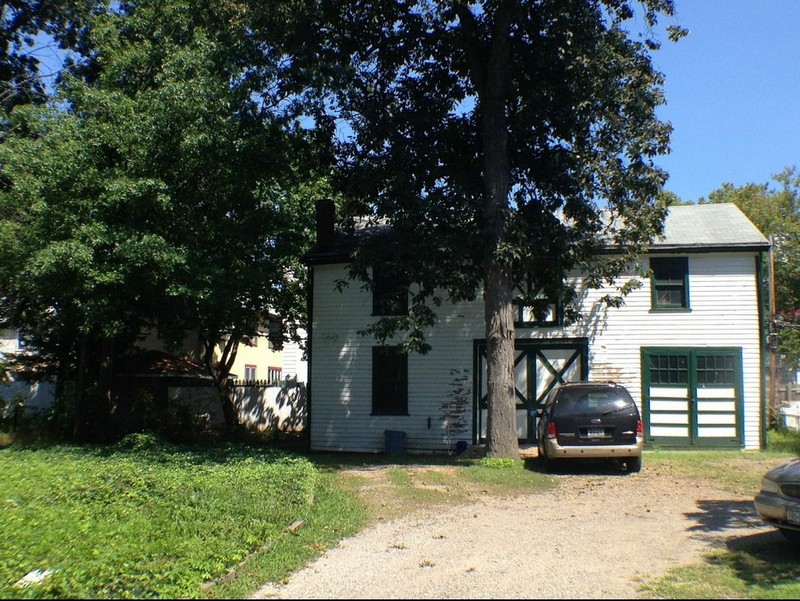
(775, 210)
(168, 184)
(506, 143)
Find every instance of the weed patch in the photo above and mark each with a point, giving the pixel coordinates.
(142, 519)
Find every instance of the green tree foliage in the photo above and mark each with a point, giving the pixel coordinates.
(167, 185)
(30, 30)
(507, 143)
(775, 210)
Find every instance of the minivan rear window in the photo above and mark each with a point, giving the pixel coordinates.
(591, 402)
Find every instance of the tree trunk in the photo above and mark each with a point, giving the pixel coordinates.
(102, 393)
(93, 390)
(232, 424)
(498, 279)
(80, 430)
(220, 370)
(501, 426)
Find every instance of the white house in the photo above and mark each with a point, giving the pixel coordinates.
(35, 396)
(688, 345)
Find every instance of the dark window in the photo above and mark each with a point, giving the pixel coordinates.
(670, 283)
(594, 402)
(388, 296)
(669, 369)
(715, 369)
(275, 334)
(273, 375)
(389, 381)
(540, 312)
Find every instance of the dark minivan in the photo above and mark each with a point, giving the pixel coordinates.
(590, 420)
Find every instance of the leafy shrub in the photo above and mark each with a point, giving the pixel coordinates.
(23, 425)
(497, 462)
(783, 440)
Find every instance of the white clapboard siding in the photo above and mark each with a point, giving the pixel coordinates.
(723, 301)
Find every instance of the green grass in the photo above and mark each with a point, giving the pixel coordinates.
(761, 571)
(766, 567)
(735, 471)
(336, 515)
(411, 483)
(144, 519)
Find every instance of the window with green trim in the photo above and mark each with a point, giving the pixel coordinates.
(389, 381)
(669, 283)
(536, 306)
(669, 369)
(715, 370)
(540, 312)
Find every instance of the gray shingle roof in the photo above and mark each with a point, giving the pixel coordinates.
(712, 226)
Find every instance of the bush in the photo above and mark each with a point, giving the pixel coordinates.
(21, 425)
(783, 440)
(497, 462)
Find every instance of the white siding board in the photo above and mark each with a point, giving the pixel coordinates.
(722, 292)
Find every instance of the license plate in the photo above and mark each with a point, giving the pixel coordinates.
(793, 515)
(595, 433)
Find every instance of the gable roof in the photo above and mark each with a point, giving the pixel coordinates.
(708, 227)
(687, 228)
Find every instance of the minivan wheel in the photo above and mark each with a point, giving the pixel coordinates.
(634, 464)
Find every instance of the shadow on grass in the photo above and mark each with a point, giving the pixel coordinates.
(764, 559)
(757, 557)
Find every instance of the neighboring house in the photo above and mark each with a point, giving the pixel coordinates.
(269, 384)
(688, 345)
(34, 396)
(256, 360)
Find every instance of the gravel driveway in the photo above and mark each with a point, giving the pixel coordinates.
(597, 535)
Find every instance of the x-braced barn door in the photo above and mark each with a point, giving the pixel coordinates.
(539, 365)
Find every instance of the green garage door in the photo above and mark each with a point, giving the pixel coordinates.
(692, 396)
(539, 365)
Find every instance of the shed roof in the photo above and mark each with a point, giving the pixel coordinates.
(709, 226)
(159, 364)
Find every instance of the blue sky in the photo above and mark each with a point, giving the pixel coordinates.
(733, 93)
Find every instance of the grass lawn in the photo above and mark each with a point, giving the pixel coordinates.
(756, 569)
(144, 519)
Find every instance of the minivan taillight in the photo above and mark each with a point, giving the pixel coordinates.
(639, 428)
(551, 430)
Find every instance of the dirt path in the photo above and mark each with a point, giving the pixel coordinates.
(595, 536)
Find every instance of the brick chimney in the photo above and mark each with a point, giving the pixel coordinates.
(326, 214)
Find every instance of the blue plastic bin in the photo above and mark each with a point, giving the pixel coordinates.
(395, 442)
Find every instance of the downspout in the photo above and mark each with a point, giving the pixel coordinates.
(309, 352)
(764, 350)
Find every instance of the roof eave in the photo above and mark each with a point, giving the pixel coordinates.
(708, 248)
